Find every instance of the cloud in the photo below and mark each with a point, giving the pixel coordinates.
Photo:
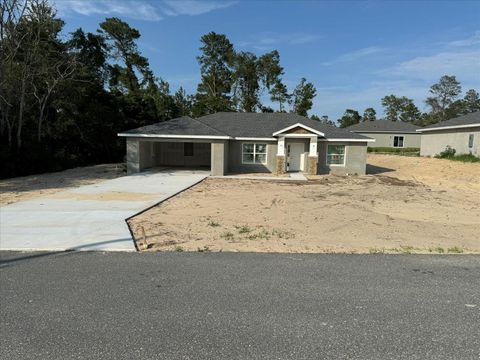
(355, 55)
(462, 64)
(471, 41)
(193, 7)
(139, 10)
(268, 41)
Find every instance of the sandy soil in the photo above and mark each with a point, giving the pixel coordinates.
(408, 205)
(27, 187)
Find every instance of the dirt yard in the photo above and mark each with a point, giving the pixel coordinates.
(27, 187)
(407, 204)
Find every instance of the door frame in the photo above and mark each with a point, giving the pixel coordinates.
(293, 145)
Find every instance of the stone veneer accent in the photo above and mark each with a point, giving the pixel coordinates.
(280, 168)
(312, 165)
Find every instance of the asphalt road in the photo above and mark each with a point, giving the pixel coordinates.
(82, 305)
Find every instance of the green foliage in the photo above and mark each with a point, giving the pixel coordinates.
(400, 109)
(396, 151)
(444, 94)
(350, 117)
(302, 97)
(455, 250)
(369, 114)
(449, 153)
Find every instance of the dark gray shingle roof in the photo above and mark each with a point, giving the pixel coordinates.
(261, 125)
(265, 124)
(179, 126)
(384, 125)
(469, 119)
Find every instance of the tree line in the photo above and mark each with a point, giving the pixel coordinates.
(445, 102)
(63, 99)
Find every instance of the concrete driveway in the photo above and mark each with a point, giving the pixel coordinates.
(90, 217)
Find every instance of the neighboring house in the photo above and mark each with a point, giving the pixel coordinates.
(247, 142)
(395, 134)
(461, 133)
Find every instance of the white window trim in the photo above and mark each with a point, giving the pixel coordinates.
(298, 125)
(254, 163)
(403, 142)
(344, 156)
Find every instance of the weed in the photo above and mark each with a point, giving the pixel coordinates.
(455, 250)
(406, 249)
(178, 248)
(243, 229)
(376, 250)
(204, 249)
(282, 234)
(227, 236)
(438, 249)
(213, 224)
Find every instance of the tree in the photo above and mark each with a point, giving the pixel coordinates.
(400, 108)
(369, 114)
(183, 102)
(216, 64)
(302, 97)
(246, 82)
(471, 101)
(350, 117)
(279, 93)
(444, 94)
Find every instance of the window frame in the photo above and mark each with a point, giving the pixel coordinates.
(344, 155)
(403, 141)
(254, 153)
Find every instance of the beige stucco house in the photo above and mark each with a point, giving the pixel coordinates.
(394, 134)
(461, 133)
(231, 142)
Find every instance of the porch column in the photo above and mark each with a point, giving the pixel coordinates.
(133, 156)
(218, 161)
(313, 156)
(280, 167)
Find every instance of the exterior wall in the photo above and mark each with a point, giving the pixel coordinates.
(219, 158)
(355, 159)
(434, 142)
(235, 157)
(133, 156)
(172, 154)
(386, 139)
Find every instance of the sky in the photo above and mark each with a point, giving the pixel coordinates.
(354, 52)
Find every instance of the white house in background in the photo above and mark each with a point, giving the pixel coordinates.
(461, 133)
(394, 134)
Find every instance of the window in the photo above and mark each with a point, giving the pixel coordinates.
(336, 155)
(187, 149)
(254, 153)
(398, 141)
(470, 141)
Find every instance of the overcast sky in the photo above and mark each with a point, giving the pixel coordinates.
(353, 52)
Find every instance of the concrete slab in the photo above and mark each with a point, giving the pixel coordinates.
(90, 217)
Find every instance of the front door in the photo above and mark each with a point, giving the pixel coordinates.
(295, 151)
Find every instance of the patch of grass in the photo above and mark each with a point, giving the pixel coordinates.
(438, 250)
(449, 154)
(406, 249)
(455, 250)
(262, 234)
(243, 229)
(227, 236)
(178, 248)
(213, 224)
(411, 151)
(375, 250)
(204, 249)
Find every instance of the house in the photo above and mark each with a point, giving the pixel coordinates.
(461, 133)
(247, 142)
(395, 134)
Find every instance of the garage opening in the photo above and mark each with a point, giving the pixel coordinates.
(177, 154)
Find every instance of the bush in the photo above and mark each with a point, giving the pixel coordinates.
(449, 153)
